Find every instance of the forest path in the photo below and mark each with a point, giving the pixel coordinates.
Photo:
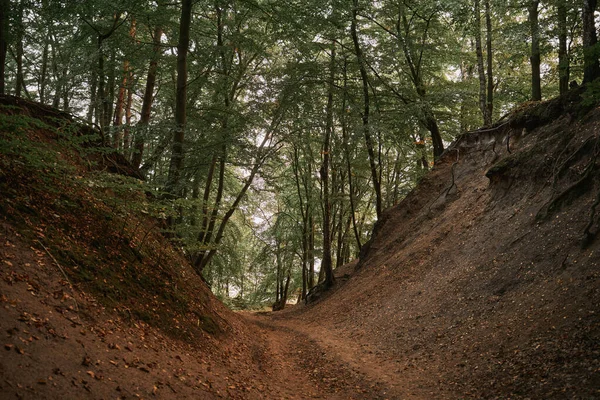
(333, 366)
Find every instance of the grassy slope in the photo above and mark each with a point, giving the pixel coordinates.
(95, 302)
(97, 224)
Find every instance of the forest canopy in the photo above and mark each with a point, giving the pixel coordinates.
(275, 132)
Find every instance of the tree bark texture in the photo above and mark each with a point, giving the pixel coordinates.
(4, 7)
(480, 63)
(139, 140)
(326, 262)
(591, 67)
(177, 153)
(490, 61)
(365, 114)
(536, 81)
(19, 30)
(563, 51)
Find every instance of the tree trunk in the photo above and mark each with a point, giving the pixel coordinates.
(177, 153)
(65, 90)
(490, 76)
(262, 153)
(101, 95)
(480, 64)
(139, 140)
(4, 7)
(427, 117)
(19, 29)
(44, 72)
(129, 102)
(365, 114)
(93, 93)
(536, 82)
(563, 52)
(591, 69)
(311, 252)
(206, 198)
(304, 214)
(326, 262)
(346, 146)
(128, 115)
(120, 105)
(108, 100)
(210, 218)
(60, 82)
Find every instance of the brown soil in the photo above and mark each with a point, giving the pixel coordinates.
(59, 343)
(482, 283)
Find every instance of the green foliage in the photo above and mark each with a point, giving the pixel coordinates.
(263, 72)
(15, 144)
(591, 96)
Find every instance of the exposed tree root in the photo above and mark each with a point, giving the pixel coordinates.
(560, 168)
(446, 191)
(557, 200)
(588, 235)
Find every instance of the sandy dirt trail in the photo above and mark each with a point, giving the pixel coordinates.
(333, 366)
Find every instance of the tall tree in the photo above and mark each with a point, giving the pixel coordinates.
(326, 263)
(563, 52)
(404, 28)
(480, 65)
(148, 97)
(366, 108)
(4, 7)
(591, 67)
(177, 151)
(490, 61)
(20, 34)
(536, 81)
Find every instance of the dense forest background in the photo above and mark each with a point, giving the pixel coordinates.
(274, 133)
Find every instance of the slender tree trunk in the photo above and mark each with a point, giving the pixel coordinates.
(107, 102)
(139, 140)
(101, 95)
(346, 146)
(536, 82)
(591, 69)
(278, 277)
(120, 105)
(44, 72)
(339, 260)
(93, 94)
(128, 115)
(480, 64)
(286, 289)
(466, 73)
(201, 263)
(206, 235)
(60, 82)
(326, 262)
(304, 214)
(206, 198)
(65, 90)
(205, 255)
(427, 117)
(177, 153)
(311, 248)
(563, 53)
(365, 114)
(129, 102)
(20, 30)
(195, 197)
(4, 8)
(490, 75)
